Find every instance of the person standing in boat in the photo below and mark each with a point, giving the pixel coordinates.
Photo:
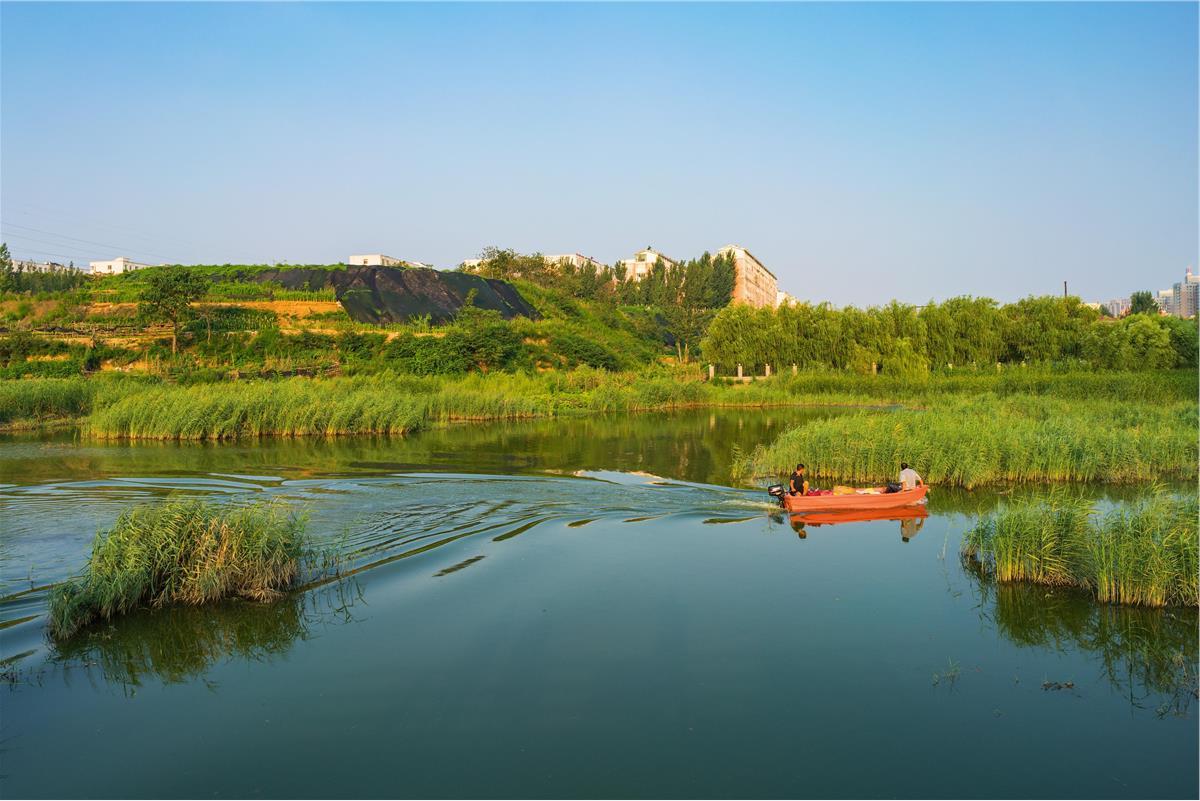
(909, 478)
(798, 483)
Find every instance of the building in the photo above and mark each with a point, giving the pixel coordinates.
(374, 260)
(784, 299)
(1186, 295)
(753, 283)
(1118, 307)
(470, 265)
(643, 262)
(120, 264)
(28, 266)
(576, 260)
(1166, 301)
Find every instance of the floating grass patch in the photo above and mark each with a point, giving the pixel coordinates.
(182, 552)
(1143, 553)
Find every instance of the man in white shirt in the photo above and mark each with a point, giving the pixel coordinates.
(909, 478)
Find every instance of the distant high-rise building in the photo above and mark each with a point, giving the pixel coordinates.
(1186, 295)
(1166, 301)
(1118, 307)
(753, 283)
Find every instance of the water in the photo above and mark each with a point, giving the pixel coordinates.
(571, 608)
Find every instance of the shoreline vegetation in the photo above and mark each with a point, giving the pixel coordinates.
(184, 552)
(1142, 553)
(966, 428)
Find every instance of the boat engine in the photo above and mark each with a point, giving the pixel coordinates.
(776, 492)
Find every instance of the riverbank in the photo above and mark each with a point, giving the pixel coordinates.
(963, 429)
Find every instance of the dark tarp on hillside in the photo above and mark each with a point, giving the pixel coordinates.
(395, 295)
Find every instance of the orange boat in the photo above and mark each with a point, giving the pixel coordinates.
(836, 516)
(878, 500)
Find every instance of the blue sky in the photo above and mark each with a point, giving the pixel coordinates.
(863, 152)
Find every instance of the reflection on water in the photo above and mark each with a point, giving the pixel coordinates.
(911, 519)
(182, 643)
(538, 594)
(1148, 655)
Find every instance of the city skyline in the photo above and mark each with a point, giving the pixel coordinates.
(864, 153)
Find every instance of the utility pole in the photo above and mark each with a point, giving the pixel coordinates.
(1064, 290)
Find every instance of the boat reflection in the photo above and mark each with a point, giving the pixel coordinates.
(911, 518)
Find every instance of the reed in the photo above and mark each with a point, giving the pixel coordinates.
(1142, 553)
(181, 552)
(973, 441)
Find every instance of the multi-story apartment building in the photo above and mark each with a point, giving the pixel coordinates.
(1118, 307)
(1186, 295)
(753, 283)
(120, 264)
(642, 262)
(576, 260)
(1166, 301)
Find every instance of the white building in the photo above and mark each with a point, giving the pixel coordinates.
(120, 264)
(29, 266)
(470, 264)
(784, 299)
(576, 260)
(374, 260)
(642, 262)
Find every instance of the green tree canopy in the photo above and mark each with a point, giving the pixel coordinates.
(167, 297)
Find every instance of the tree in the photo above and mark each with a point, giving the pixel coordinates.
(1142, 303)
(7, 279)
(167, 297)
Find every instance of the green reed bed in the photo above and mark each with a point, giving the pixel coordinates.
(185, 552)
(980, 440)
(289, 408)
(1143, 553)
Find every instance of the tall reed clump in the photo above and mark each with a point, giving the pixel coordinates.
(182, 551)
(972, 441)
(1143, 553)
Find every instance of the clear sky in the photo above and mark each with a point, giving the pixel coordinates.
(862, 152)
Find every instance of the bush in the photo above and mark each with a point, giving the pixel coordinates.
(181, 552)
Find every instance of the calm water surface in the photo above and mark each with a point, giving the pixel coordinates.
(571, 608)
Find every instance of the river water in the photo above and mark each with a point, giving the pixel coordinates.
(578, 607)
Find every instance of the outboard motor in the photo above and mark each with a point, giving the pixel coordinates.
(776, 492)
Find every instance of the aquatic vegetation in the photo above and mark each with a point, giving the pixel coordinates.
(970, 441)
(1145, 553)
(289, 408)
(185, 552)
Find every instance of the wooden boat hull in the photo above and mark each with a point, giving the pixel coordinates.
(829, 503)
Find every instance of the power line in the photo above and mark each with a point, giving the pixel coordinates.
(85, 241)
(39, 211)
(47, 242)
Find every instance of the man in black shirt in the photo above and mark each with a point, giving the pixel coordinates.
(798, 483)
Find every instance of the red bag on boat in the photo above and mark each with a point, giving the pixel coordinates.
(812, 492)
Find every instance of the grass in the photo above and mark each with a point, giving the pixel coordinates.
(1143, 553)
(181, 552)
(984, 439)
